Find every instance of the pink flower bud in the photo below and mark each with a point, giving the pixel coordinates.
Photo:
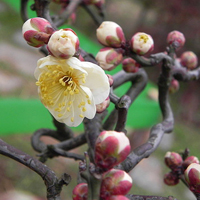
(192, 176)
(189, 160)
(189, 60)
(111, 149)
(115, 182)
(80, 192)
(130, 65)
(117, 197)
(108, 58)
(171, 179)
(142, 43)
(37, 31)
(176, 38)
(63, 43)
(110, 79)
(110, 34)
(173, 160)
(102, 106)
(174, 86)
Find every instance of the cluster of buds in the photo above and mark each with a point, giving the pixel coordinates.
(112, 36)
(179, 167)
(115, 184)
(111, 148)
(62, 44)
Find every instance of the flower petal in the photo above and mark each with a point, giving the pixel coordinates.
(97, 81)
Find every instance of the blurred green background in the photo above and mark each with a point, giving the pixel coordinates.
(22, 112)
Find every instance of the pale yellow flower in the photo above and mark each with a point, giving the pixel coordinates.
(70, 89)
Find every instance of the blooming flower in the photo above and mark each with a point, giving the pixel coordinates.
(142, 43)
(63, 43)
(36, 31)
(69, 88)
(108, 58)
(110, 34)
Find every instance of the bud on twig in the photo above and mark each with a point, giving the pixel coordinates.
(111, 149)
(63, 43)
(192, 176)
(171, 179)
(108, 58)
(174, 86)
(142, 43)
(110, 34)
(37, 31)
(117, 197)
(173, 160)
(102, 106)
(130, 65)
(115, 182)
(189, 60)
(176, 38)
(80, 192)
(189, 160)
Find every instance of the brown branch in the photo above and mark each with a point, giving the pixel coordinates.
(53, 184)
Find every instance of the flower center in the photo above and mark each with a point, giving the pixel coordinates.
(144, 38)
(70, 84)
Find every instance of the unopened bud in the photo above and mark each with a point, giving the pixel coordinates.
(37, 31)
(171, 179)
(80, 192)
(174, 86)
(63, 43)
(173, 160)
(110, 79)
(142, 43)
(176, 38)
(189, 60)
(189, 160)
(108, 58)
(130, 65)
(192, 176)
(110, 34)
(117, 197)
(111, 148)
(102, 106)
(115, 182)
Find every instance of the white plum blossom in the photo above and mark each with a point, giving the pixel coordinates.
(63, 43)
(142, 43)
(70, 89)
